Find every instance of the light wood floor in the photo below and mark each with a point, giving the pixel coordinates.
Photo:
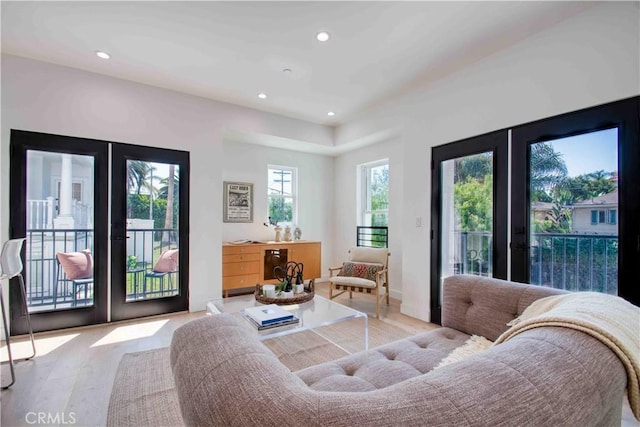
(74, 369)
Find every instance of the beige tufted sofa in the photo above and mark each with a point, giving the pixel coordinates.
(547, 376)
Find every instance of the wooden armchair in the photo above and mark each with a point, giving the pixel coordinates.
(365, 272)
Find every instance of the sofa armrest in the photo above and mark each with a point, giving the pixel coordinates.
(222, 371)
(483, 305)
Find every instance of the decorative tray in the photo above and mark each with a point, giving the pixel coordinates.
(307, 295)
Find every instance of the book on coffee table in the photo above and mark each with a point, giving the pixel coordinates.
(292, 321)
(268, 314)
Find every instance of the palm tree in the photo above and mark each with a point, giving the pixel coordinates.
(164, 187)
(168, 219)
(548, 168)
(138, 176)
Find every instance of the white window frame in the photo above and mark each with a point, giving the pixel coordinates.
(365, 191)
(294, 192)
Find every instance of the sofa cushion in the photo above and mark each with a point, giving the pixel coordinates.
(483, 306)
(385, 365)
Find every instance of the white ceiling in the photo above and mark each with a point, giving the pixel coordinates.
(231, 51)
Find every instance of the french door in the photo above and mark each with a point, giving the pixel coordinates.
(575, 204)
(60, 198)
(149, 231)
(469, 207)
(575, 201)
(65, 252)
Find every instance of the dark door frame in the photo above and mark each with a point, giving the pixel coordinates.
(496, 142)
(21, 142)
(120, 308)
(624, 115)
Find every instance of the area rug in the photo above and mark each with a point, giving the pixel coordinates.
(144, 393)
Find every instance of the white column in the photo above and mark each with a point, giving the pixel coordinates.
(50, 210)
(65, 217)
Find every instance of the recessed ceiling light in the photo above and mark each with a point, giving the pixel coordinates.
(287, 70)
(323, 36)
(262, 95)
(331, 113)
(103, 55)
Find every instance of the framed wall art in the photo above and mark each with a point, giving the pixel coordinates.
(238, 202)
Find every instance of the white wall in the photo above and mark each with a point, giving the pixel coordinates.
(249, 163)
(346, 203)
(43, 97)
(587, 60)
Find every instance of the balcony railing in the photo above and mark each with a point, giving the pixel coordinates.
(575, 262)
(48, 288)
(373, 237)
(571, 262)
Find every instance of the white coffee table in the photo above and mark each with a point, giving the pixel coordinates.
(318, 312)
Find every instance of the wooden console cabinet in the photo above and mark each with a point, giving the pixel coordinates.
(243, 266)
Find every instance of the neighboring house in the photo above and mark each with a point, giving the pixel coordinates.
(59, 191)
(541, 210)
(596, 216)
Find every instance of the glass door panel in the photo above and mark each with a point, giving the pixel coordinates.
(573, 212)
(59, 217)
(467, 216)
(149, 231)
(58, 192)
(153, 208)
(468, 211)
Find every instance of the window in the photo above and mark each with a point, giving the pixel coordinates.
(282, 189)
(598, 217)
(375, 194)
(76, 191)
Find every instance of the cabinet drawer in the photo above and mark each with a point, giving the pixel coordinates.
(236, 268)
(242, 281)
(232, 250)
(240, 258)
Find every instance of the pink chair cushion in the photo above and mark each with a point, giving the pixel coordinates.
(76, 265)
(167, 262)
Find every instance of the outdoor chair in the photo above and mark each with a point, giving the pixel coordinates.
(11, 264)
(366, 272)
(77, 268)
(167, 265)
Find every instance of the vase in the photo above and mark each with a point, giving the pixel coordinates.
(287, 234)
(297, 233)
(278, 234)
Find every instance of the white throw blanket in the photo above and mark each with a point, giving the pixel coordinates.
(610, 319)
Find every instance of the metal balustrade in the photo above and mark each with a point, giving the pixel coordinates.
(573, 262)
(372, 236)
(49, 289)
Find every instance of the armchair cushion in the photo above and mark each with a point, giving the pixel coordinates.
(370, 255)
(363, 270)
(353, 281)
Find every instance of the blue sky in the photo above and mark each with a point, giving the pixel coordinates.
(589, 152)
